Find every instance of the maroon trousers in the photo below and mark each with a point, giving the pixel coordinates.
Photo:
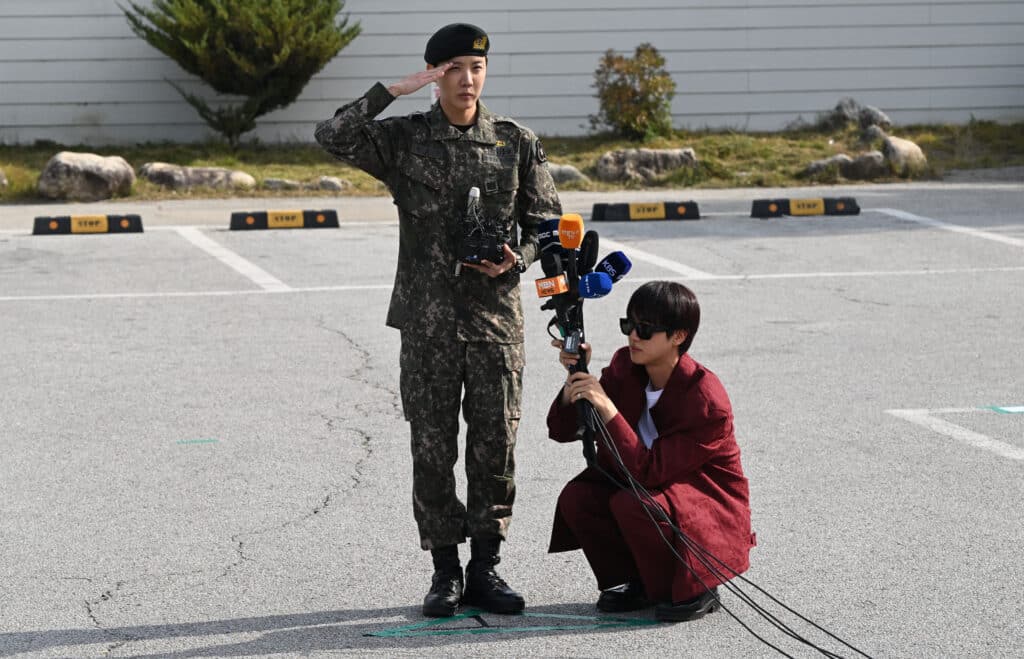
(622, 543)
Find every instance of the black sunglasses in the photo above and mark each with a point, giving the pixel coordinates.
(643, 330)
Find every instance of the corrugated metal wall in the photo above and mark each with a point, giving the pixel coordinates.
(73, 72)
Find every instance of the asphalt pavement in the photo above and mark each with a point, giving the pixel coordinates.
(204, 453)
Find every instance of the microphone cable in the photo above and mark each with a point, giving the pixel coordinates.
(708, 560)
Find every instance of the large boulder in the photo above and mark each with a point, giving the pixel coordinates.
(565, 173)
(177, 177)
(643, 165)
(905, 158)
(85, 177)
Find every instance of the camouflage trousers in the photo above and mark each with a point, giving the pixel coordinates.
(437, 376)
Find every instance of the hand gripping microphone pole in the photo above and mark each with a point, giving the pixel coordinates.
(570, 318)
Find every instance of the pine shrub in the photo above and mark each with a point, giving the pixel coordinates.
(264, 51)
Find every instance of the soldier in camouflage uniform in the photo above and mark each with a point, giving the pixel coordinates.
(461, 323)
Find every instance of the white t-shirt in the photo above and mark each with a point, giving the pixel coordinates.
(648, 432)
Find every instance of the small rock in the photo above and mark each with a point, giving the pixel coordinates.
(840, 161)
(3, 179)
(281, 184)
(872, 134)
(847, 109)
(333, 184)
(866, 167)
(872, 116)
(85, 177)
(177, 177)
(565, 173)
(905, 158)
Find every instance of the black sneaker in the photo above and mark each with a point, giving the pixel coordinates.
(627, 597)
(698, 607)
(445, 594)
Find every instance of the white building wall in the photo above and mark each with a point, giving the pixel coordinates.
(73, 72)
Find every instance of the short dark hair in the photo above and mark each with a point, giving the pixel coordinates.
(668, 304)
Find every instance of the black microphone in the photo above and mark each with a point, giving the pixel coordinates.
(588, 253)
(551, 264)
(547, 235)
(615, 265)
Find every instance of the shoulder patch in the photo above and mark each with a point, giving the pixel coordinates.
(541, 156)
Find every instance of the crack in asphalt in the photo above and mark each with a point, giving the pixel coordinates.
(359, 375)
(106, 596)
(333, 424)
(860, 301)
(241, 541)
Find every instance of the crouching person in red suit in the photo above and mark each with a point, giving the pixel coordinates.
(671, 421)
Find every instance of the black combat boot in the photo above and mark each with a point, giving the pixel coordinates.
(446, 585)
(484, 588)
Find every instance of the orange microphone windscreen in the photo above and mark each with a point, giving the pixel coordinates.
(570, 231)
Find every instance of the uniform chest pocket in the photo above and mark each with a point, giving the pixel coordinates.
(420, 179)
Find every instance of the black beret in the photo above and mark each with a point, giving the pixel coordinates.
(456, 40)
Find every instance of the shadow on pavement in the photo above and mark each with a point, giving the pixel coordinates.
(330, 630)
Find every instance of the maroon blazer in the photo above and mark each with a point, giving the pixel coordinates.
(695, 460)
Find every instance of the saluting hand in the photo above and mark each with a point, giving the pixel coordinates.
(418, 80)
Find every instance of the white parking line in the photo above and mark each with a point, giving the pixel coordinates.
(527, 284)
(956, 228)
(845, 274)
(636, 254)
(174, 294)
(258, 275)
(926, 419)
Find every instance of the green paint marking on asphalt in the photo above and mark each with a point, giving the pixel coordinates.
(424, 628)
(1012, 409)
(197, 441)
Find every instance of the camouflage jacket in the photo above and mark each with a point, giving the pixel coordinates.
(429, 167)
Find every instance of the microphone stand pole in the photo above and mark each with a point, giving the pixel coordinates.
(573, 322)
